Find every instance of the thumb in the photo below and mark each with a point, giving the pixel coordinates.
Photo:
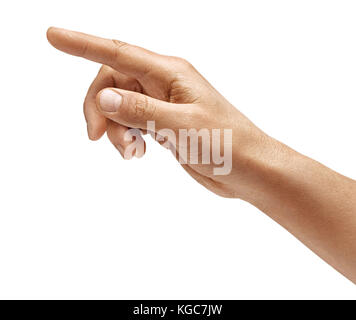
(134, 109)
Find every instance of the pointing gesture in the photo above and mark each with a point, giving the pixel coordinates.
(128, 59)
(136, 87)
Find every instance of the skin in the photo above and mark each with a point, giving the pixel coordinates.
(314, 203)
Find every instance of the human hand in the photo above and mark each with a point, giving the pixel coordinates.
(136, 87)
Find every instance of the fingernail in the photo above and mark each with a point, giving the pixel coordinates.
(110, 101)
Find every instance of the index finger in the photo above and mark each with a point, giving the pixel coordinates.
(128, 59)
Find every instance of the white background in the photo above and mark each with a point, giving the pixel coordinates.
(77, 221)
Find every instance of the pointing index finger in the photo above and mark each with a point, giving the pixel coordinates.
(128, 59)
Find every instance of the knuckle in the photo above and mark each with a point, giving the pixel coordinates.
(104, 69)
(119, 46)
(84, 49)
(141, 109)
(183, 63)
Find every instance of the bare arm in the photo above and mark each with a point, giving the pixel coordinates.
(136, 87)
(311, 201)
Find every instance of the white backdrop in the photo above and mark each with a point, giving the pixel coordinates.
(77, 221)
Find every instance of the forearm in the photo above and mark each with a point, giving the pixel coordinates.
(136, 86)
(311, 201)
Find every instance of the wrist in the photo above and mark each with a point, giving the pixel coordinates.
(266, 165)
(279, 180)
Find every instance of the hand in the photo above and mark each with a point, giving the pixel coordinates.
(135, 86)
